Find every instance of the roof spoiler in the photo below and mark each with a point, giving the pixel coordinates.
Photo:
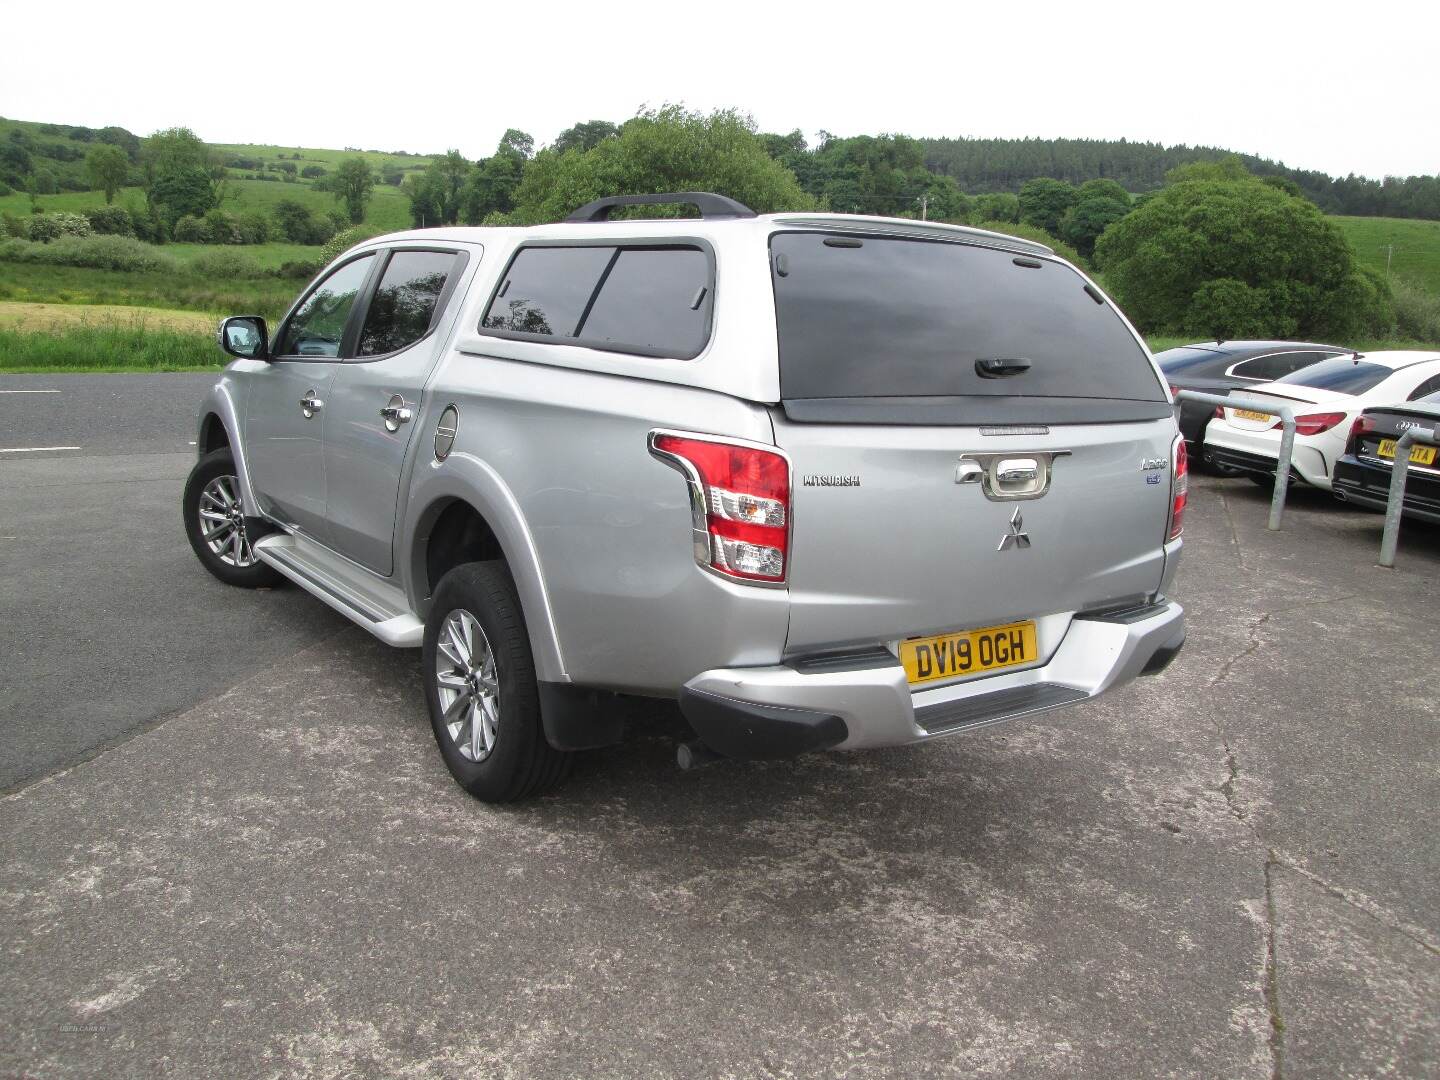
(712, 207)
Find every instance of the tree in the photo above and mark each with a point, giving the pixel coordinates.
(351, 185)
(584, 137)
(665, 149)
(1002, 207)
(491, 187)
(944, 201)
(1227, 257)
(182, 177)
(1083, 223)
(295, 223)
(1043, 202)
(1102, 189)
(437, 196)
(108, 168)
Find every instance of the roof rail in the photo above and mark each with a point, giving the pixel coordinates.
(711, 206)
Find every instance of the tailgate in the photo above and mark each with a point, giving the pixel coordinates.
(887, 544)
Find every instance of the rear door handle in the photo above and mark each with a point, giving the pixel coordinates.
(310, 404)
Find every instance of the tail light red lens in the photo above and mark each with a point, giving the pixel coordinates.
(740, 504)
(1219, 412)
(1179, 489)
(1361, 426)
(1315, 423)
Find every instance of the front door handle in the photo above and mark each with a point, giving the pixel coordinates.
(310, 404)
(396, 413)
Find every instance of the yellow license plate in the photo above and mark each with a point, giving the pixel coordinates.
(965, 652)
(1251, 414)
(1419, 455)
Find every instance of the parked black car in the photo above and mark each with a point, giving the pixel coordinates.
(1218, 367)
(1363, 474)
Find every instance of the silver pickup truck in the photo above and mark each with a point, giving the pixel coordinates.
(829, 481)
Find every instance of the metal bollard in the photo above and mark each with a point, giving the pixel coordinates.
(1396, 503)
(1287, 441)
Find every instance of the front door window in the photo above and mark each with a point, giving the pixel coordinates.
(318, 325)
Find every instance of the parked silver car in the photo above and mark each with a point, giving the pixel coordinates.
(830, 481)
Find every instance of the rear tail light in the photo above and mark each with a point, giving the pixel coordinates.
(739, 504)
(1315, 423)
(1174, 390)
(1179, 488)
(1361, 426)
(1219, 412)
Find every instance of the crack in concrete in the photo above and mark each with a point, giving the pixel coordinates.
(1365, 906)
(1234, 532)
(1270, 985)
(1272, 975)
(1254, 644)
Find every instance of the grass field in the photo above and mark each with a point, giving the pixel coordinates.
(51, 317)
(38, 284)
(389, 209)
(265, 256)
(1416, 246)
(117, 346)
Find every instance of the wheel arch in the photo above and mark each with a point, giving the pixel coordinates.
(212, 435)
(470, 516)
(219, 425)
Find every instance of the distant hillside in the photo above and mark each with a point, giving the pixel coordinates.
(258, 176)
(1412, 248)
(985, 165)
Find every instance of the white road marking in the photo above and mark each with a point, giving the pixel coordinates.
(33, 449)
(29, 391)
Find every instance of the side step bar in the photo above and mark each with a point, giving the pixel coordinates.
(362, 598)
(993, 708)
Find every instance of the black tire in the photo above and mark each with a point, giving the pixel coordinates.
(246, 572)
(520, 764)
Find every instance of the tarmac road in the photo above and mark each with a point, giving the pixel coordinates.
(259, 866)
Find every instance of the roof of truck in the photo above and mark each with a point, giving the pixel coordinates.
(642, 226)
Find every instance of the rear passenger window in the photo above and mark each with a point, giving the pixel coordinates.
(1276, 365)
(650, 301)
(403, 306)
(653, 300)
(546, 290)
(1426, 388)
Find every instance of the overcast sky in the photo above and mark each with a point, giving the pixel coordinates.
(1340, 88)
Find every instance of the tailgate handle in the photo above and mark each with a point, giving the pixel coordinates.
(1017, 471)
(1001, 367)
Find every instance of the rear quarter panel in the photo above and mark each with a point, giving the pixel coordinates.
(609, 524)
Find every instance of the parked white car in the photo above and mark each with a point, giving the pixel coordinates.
(1326, 397)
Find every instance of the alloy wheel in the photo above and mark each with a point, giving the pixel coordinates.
(469, 686)
(222, 522)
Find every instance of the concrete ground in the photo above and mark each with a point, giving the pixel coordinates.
(1228, 870)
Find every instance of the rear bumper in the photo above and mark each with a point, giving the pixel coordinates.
(1357, 481)
(1259, 452)
(782, 710)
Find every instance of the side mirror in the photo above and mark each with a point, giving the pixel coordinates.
(244, 336)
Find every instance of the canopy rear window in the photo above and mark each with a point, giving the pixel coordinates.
(907, 318)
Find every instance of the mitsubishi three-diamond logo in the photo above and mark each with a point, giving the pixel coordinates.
(1017, 537)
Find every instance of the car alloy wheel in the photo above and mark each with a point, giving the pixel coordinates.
(222, 522)
(468, 685)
